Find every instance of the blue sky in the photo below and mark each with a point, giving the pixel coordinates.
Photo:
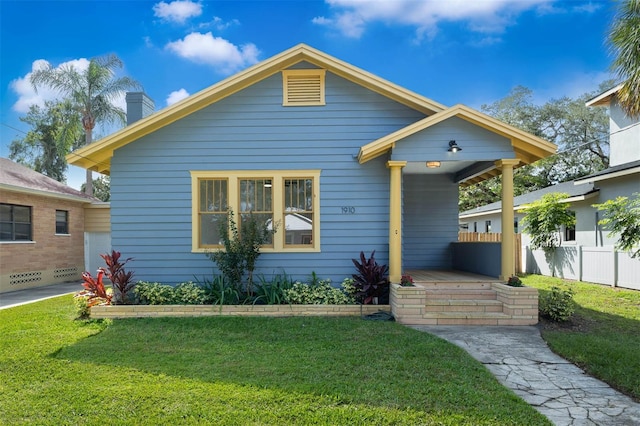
(452, 51)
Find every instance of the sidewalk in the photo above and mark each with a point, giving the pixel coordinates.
(30, 295)
(522, 361)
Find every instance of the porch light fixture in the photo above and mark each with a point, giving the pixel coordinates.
(267, 184)
(433, 164)
(453, 147)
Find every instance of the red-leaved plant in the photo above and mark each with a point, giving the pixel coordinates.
(94, 291)
(371, 280)
(122, 281)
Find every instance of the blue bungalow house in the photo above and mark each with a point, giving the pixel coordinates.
(344, 160)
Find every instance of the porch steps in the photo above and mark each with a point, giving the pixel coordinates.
(462, 303)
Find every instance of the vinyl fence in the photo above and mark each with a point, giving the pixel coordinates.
(602, 265)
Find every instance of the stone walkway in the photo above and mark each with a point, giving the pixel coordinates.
(522, 361)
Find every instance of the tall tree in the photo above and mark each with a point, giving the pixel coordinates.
(101, 188)
(55, 131)
(624, 41)
(581, 134)
(92, 91)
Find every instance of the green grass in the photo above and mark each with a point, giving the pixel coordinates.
(239, 371)
(603, 337)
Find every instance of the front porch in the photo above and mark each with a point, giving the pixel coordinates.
(462, 298)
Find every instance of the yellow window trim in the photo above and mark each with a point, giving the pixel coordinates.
(233, 177)
(304, 87)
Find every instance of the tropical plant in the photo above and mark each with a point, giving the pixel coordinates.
(91, 91)
(101, 188)
(94, 291)
(55, 131)
(122, 280)
(514, 281)
(624, 39)
(406, 281)
(371, 279)
(622, 218)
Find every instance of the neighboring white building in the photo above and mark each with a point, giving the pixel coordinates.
(587, 252)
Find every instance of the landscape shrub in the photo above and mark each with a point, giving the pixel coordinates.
(154, 293)
(557, 304)
(317, 294)
(371, 279)
(189, 294)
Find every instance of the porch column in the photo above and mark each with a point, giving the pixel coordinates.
(508, 267)
(395, 220)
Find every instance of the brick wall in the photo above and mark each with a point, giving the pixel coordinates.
(48, 258)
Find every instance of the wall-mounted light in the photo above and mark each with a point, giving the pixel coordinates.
(433, 164)
(453, 147)
(267, 184)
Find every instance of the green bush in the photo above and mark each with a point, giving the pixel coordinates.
(189, 294)
(221, 291)
(154, 293)
(82, 307)
(557, 304)
(317, 294)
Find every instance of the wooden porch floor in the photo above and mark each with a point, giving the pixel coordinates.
(431, 276)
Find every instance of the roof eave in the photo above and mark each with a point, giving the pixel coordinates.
(42, 193)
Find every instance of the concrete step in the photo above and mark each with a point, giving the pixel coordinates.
(463, 306)
(463, 293)
(470, 318)
(455, 285)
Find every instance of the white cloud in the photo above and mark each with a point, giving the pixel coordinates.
(177, 11)
(216, 51)
(27, 95)
(176, 95)
(486, 16)
(219, 24)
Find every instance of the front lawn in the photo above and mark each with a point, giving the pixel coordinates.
(239, 371)
(603, 337)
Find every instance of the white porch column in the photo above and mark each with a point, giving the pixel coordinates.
(508, 267)
(395, 220)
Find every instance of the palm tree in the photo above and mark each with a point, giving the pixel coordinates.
(92, 91)
(624, 39)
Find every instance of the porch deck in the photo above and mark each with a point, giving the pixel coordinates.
(462, 298)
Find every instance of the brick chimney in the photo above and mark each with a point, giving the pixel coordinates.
(139, 105)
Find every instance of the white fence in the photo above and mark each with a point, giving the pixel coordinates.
(602, 265)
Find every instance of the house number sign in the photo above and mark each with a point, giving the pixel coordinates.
(348, 210)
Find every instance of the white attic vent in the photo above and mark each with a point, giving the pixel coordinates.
(303, 87)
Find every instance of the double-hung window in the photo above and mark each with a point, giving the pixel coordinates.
(285, 200)
(62, 222)
(15, 223)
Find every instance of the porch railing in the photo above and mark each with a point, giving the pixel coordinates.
(470, 237)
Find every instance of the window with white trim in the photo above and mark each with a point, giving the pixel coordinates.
(15, 223)
(290, 199)
(303, 87)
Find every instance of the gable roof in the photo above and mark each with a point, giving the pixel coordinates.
(576, 193)
(604, 98)
(528, 148)
(18, 178)
(97, 156)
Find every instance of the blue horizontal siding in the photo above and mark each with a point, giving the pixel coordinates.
(251, 130)
(430, 221)
(431, 144)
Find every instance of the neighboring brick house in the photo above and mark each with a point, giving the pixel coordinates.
(42, 225)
